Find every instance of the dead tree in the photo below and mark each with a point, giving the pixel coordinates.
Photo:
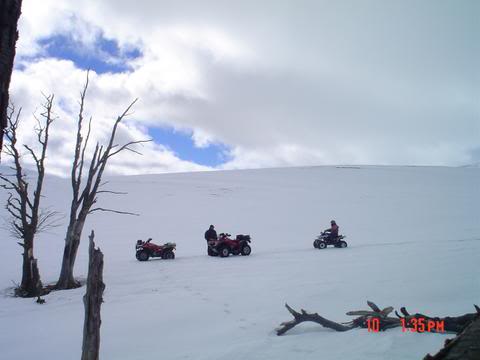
(27, 218)
(380, 317)
(84, 198)
(93, 302)
(9, 13)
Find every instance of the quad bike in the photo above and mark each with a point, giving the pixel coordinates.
(225, 246)
(323, 240)
(147, 249)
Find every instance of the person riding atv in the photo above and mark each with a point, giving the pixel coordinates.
(330, 236)
(332, 231)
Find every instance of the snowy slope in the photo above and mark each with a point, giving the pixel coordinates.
(414, 240)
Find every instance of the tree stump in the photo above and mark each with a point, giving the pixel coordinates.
(93, 300)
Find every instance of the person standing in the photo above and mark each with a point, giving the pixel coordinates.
(210, 235)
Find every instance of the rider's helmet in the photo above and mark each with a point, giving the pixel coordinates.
(212, 227)
(333, 222)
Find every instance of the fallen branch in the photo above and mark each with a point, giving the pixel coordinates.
(365, 319)
(304, 316)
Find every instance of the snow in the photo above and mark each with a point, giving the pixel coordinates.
(414, 241)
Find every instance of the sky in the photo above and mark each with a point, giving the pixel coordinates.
(252, 84)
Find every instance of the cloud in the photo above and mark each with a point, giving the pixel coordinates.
(105, 101)
(280, 83)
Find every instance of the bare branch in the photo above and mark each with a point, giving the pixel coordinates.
(78, 159)
(8, 181)
(30, 150)
(113, 211)
(127, 147)
(14, 214)
(15, 210)
(112, 192)
(48, 220)
(82, 157)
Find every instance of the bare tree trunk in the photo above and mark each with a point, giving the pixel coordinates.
(36, 287)
(31, 285)
(27, 255)
(93, 301)
(72, 241)
(9, 14)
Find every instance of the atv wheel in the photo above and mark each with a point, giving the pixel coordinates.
(322, 244)
(343, 244)
(168, 255)
(142, 256)
(246, 250)
(224, 252)
(315, 244)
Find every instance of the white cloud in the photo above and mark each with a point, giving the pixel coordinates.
(313, 82)
(105, 101)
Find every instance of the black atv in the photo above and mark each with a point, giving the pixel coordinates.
(323, 240)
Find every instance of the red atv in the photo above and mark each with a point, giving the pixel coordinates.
(147, 249)
(225, 246)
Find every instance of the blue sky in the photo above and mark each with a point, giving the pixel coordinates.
(182, 145)
(104, 57)
(107, 57)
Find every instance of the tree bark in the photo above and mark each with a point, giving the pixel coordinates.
(72, 241)
(9, 13)
(93, 301)
(31, 285)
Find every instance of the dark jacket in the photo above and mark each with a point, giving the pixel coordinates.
(333, 230)
(210, 234)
